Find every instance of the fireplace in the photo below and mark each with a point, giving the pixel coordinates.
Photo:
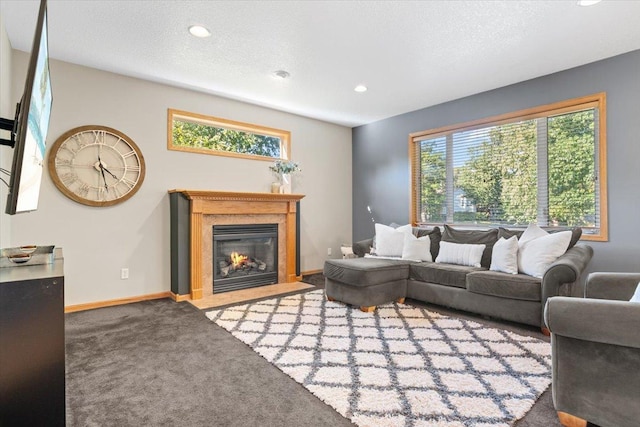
(244, 256)
(195, 213)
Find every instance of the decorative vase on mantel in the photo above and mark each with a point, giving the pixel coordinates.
(284, 170)
(285, 183)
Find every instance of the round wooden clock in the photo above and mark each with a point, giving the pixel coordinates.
(96, 165)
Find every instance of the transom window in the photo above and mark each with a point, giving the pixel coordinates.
(545, 165)
(211, 135)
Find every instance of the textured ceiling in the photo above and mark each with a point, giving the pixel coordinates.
(410, 54)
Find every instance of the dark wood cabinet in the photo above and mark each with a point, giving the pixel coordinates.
(32, 357)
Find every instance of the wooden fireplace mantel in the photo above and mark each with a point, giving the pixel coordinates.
(224, 203)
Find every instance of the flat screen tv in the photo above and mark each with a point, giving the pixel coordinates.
(30, 126)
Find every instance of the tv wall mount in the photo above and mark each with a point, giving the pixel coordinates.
(10, 125)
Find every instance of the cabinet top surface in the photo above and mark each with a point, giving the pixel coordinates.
(32, 272)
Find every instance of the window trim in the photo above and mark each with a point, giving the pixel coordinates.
(597, 100)
(202, 119)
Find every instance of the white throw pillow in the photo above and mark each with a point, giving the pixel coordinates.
(394, 226)
(416, 248)
(535, 255)
(405, 228)
(460, 254)
(532, 232)
(636, 295)
(505, 255)
(389, 240)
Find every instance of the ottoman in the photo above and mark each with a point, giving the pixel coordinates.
(366, 282)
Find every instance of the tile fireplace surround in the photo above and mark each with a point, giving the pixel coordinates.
(210, 208)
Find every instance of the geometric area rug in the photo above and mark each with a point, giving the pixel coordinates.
(398, 366)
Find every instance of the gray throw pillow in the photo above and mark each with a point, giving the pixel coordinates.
(477, 237)
(506, 233)
(435, 235)
(576, 233)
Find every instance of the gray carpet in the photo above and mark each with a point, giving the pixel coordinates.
(316, 280)
(160, 363)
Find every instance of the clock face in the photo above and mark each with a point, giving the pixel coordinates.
(96, 165)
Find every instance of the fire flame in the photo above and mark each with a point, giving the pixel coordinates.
(238, 259)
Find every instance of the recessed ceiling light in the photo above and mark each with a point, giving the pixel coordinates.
(360, 88)
(281, 74)
(588, 2)
(199, 31)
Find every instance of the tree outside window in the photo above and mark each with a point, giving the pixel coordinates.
(541, 167)
(211, 135)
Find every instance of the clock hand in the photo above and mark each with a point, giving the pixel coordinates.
(110, 173)
(106, 188)
(103, 169)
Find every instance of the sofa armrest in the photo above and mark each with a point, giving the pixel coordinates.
(566, 269)
(613, 286)
(362, 247)
(595, 320)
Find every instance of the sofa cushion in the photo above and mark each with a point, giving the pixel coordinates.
(576, 233)
(435, 235)
(362, 247)
(365, 271)
(441, 274)
(507, 233)
(479, 237)
(513, 286)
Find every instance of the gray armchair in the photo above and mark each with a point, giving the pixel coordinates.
(595, 346)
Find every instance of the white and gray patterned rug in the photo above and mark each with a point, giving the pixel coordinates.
(399, 366)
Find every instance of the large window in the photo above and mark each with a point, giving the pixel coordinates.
(222, 137)
(546, 165)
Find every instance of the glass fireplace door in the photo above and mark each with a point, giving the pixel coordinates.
(244, 256)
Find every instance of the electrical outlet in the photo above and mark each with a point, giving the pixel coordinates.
(124, 273)
(329, 251)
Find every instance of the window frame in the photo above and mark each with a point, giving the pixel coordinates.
(597, 100)
(217, 122)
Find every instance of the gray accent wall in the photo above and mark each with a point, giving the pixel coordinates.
(381, 150)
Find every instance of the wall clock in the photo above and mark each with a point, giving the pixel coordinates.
(96, 165)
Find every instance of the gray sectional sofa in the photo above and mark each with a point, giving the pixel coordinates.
(367, 281)
(595, 351)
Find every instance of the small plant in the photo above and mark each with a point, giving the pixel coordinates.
(281, 167)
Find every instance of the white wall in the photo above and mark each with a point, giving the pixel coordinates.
(7, 111)
(98, 242)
